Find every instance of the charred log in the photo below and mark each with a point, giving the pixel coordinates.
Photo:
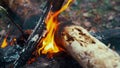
(57, 4)
(34, 38)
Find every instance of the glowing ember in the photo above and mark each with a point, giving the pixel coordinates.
(13, 41)
(48, 43)
(4, 43)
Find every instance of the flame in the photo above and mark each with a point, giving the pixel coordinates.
(48, 43)
(4, 43)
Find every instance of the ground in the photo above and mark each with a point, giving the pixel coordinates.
(95, 15)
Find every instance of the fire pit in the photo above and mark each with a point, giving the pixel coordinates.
(52, 44)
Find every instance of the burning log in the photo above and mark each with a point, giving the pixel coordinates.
(36, 35)
(86, 49)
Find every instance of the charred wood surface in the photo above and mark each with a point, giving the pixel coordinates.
(57, 4)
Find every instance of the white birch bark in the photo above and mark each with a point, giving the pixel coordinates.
(86, 49)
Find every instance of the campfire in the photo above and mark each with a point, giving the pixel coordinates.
(50, 39)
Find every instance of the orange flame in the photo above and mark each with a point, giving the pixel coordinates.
(48, 43)
(4, 43)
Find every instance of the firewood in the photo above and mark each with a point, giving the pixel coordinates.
(84, 48)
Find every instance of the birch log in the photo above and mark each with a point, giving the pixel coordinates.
(86, 49)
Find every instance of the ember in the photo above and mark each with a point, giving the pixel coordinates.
(12, 42)
(7, 42)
